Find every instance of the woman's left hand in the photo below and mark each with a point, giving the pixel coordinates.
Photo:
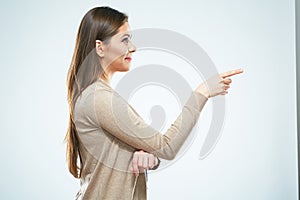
(141, 161)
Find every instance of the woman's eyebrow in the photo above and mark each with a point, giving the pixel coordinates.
(127, 34)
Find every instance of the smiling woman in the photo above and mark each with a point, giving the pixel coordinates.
(102, 47)
(112, 142)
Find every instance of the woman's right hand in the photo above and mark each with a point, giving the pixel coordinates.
(218, 84)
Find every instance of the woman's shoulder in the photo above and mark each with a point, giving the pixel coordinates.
(101, 85)
(95, 88)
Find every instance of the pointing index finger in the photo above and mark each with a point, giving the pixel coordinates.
(231, 73)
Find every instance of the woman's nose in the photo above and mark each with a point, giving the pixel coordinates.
(131, 47)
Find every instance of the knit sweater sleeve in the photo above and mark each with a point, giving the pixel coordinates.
(117, 117)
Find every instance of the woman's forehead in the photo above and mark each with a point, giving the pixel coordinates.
(124, 30)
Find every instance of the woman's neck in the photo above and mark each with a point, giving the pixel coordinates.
(106, 77)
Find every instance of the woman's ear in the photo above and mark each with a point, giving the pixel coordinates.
(99, 48)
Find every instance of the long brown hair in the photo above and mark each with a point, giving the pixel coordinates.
(100, 23)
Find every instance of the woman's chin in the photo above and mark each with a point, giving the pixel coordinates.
(125, 68)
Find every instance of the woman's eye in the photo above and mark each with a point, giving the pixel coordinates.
(125, 40)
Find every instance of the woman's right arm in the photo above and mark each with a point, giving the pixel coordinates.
(117, 117)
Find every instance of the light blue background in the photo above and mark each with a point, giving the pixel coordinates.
(255, 158)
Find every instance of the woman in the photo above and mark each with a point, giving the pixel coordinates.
(111, 140)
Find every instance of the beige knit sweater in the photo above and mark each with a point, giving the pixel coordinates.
(110, 131)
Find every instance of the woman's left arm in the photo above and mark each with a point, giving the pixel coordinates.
(143, 161)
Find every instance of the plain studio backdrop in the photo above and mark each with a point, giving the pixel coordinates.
(255, 157)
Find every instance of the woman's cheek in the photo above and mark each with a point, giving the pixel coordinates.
(122, 50)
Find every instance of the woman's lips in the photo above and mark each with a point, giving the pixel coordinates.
(128, 58)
